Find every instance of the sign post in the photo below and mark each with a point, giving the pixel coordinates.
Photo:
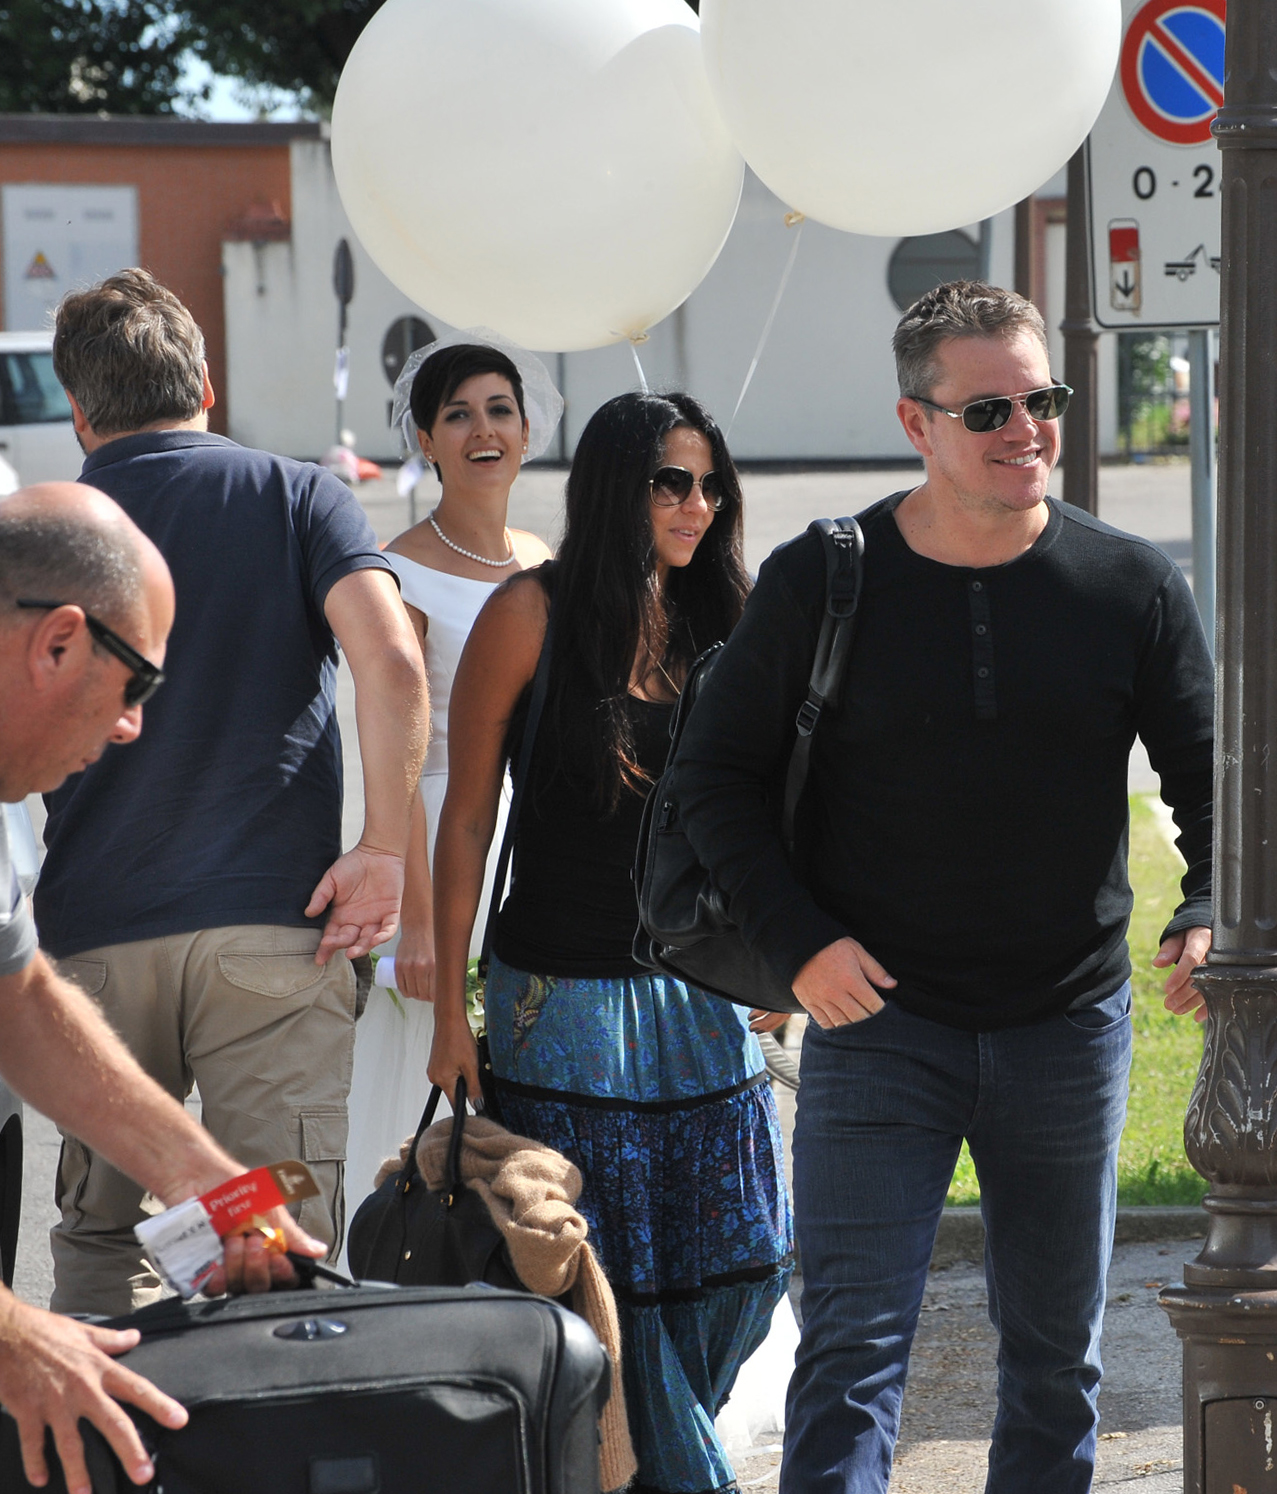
(1154, 174)
(1201, 446)
(1081, 363)
(344, 290)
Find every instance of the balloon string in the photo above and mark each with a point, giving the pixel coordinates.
(791, 220)
(634, 342)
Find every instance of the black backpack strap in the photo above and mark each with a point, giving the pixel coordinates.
(536, 703)
(844, 546)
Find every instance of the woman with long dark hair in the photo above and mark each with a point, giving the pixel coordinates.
(654, 1089)
(474, 407)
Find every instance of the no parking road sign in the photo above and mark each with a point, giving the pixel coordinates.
(1154, 170)
(1172, 68)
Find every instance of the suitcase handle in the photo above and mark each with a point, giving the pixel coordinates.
(309, 1271)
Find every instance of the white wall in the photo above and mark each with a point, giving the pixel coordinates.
(824, 387)
(281, 327)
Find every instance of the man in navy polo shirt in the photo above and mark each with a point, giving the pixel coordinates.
(195, 885)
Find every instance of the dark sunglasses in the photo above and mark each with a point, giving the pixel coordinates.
(147, 677)
(673, 485)
(983, 415)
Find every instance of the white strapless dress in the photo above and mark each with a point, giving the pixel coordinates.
(389, 1087)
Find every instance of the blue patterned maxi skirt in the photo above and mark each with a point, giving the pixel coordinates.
(658, 1093)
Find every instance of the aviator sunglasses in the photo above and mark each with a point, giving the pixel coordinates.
(983, 415)
(673, 485)
(147, 677)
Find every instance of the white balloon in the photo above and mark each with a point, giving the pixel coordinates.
(554, 169)
(908, 116)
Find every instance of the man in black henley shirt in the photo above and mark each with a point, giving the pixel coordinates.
(959, 930)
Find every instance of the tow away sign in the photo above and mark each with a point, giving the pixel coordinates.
(1154, 170)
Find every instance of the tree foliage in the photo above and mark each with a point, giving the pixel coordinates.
(128, 56)
(82, 56)
(296, 46)
(289, 46)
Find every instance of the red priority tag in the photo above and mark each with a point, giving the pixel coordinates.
(233, 1206)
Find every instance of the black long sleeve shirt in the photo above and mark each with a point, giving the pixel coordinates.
(966, 813)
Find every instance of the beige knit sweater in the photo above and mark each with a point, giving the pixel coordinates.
(530, 1191)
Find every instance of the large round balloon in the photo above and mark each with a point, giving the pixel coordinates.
(908, 116)
(554, 169)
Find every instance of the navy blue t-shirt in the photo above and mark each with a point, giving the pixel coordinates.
(227, 809)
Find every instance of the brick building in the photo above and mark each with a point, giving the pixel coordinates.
(83, 195)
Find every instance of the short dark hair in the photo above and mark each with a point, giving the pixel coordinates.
(958, 308)
(444, 372)
(130, 353)
(57, 558)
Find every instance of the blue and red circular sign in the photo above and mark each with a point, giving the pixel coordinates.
(1173, 68)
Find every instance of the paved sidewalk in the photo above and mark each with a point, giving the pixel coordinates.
(952, 1389)
(949, 1403)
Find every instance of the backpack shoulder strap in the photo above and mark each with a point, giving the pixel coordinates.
(844, 547)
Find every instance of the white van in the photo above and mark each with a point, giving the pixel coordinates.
(37, 438)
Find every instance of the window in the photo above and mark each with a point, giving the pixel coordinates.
(31, 392)
(919, 264)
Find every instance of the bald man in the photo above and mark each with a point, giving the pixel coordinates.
(86, 604)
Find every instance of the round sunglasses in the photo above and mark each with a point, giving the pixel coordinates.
(673, 485)
(145, 678)
(983, 415)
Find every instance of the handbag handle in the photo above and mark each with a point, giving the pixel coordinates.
(452, 1169)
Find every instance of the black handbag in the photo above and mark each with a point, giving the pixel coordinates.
(410, 1235)
(685, 925)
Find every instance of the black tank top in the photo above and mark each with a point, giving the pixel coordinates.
(571, 909)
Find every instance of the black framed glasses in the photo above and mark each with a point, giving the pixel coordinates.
(147, 677)
(983, 415)
(673, 485)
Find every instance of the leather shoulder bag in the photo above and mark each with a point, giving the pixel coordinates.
(685, 925)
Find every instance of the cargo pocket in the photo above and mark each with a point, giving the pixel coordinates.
(89, 975)
(71, 1179)
(275, 975)
(323, 1149)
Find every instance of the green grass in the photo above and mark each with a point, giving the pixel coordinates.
(1152, 1168)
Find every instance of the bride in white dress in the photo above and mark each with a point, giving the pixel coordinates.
(477, 407)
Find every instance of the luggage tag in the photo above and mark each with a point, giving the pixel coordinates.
(184, 1243)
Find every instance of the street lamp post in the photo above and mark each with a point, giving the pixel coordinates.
(1226, 1311)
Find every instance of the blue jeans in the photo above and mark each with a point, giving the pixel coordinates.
(882, 1111)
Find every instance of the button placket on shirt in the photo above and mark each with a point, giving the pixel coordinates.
(986, 699)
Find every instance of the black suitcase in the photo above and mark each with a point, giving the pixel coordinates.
(370, 1390)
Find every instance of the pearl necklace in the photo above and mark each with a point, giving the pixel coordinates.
(469, 554)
